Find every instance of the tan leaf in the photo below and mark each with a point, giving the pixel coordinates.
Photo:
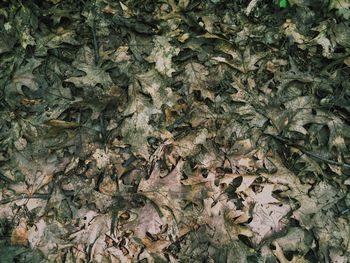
(268, 219)
(166, 192)
(290, 30)
(197, 76)
(62, 124)
(19, 234)
(347, 61)
(162, 54)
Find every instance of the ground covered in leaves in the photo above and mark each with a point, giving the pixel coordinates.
(174, 131)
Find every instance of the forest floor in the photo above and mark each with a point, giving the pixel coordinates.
(174, 131)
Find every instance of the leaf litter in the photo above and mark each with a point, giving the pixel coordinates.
(174, 131)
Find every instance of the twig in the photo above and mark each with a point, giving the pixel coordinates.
(303, 150)
(94, 37)
(35, 196)
(5, 179)
(23, 196)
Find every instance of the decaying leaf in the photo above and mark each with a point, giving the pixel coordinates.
(137, 128)
(162, 55)
(19, 235)
(174, 131)
(92, 74)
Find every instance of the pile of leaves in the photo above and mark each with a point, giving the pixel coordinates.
(174, 131)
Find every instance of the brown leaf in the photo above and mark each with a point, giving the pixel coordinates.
(19, 234)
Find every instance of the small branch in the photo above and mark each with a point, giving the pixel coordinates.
(23, 196)
(303, 150)
(67, 193)
(94, 36)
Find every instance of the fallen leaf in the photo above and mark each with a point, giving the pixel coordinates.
(162, 54)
